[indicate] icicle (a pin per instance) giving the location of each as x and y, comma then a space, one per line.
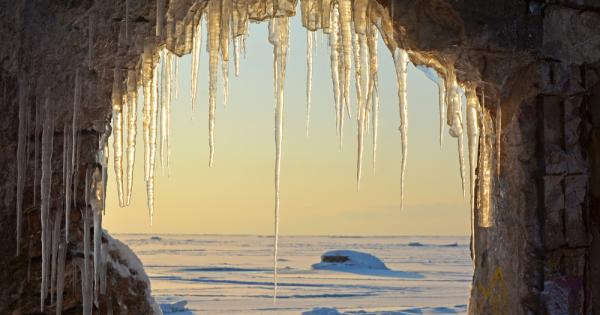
46, 186
60, 276
152, 145
21, 156
401, 61
472, 137
310, 38
74, 156
97, 184
361, 73
36, 153
165, 106
85, 277
334, 44
131, 129
118, 133
442, 108
236, 54
279, 38
372, 95
170, 66
345, 9
147, 73
214, 27
454, 118
485, 172
225, 33
55, 242
196, 61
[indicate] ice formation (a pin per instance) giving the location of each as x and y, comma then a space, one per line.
310, 39
21, 155
279, 38
117, 124
401, 62
45, 188
352, 27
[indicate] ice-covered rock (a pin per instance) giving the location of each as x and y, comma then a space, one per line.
349, 259
178, 306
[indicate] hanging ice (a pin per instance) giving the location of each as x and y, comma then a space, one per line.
373, 93
225, 32
401, 62
152, 145
165, 120
46, 184
196, 61
21, 156
279, 38
214, 26
131, 129
454, 119
117, 100
472, 137
334, 44
310, 38
345, 9
74, 156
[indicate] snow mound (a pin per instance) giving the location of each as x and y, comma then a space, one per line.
174, 307
349, 259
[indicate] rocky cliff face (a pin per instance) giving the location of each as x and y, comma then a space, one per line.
538, 67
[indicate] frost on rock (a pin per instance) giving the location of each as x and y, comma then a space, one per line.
279, 38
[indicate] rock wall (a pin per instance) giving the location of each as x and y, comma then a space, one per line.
537, 64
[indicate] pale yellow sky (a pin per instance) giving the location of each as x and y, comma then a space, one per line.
318, 187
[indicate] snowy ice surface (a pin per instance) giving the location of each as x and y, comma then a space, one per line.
233, 274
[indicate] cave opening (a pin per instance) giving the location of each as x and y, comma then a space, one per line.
320, 201
529, 68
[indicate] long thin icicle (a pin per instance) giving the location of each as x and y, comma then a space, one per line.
152, 145
310, 38
334, 44
197, 46
345, 9
454, 119
279, 38
131, 129
46, 186
214, 28
74, 156
373, 94
225, 33
472, 137
401, 62
21, 156
117, 100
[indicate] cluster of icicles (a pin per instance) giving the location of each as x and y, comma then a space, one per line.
353, 27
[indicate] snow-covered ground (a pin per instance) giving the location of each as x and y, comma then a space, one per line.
232, 274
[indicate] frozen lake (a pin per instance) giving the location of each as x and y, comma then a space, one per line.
219, 274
